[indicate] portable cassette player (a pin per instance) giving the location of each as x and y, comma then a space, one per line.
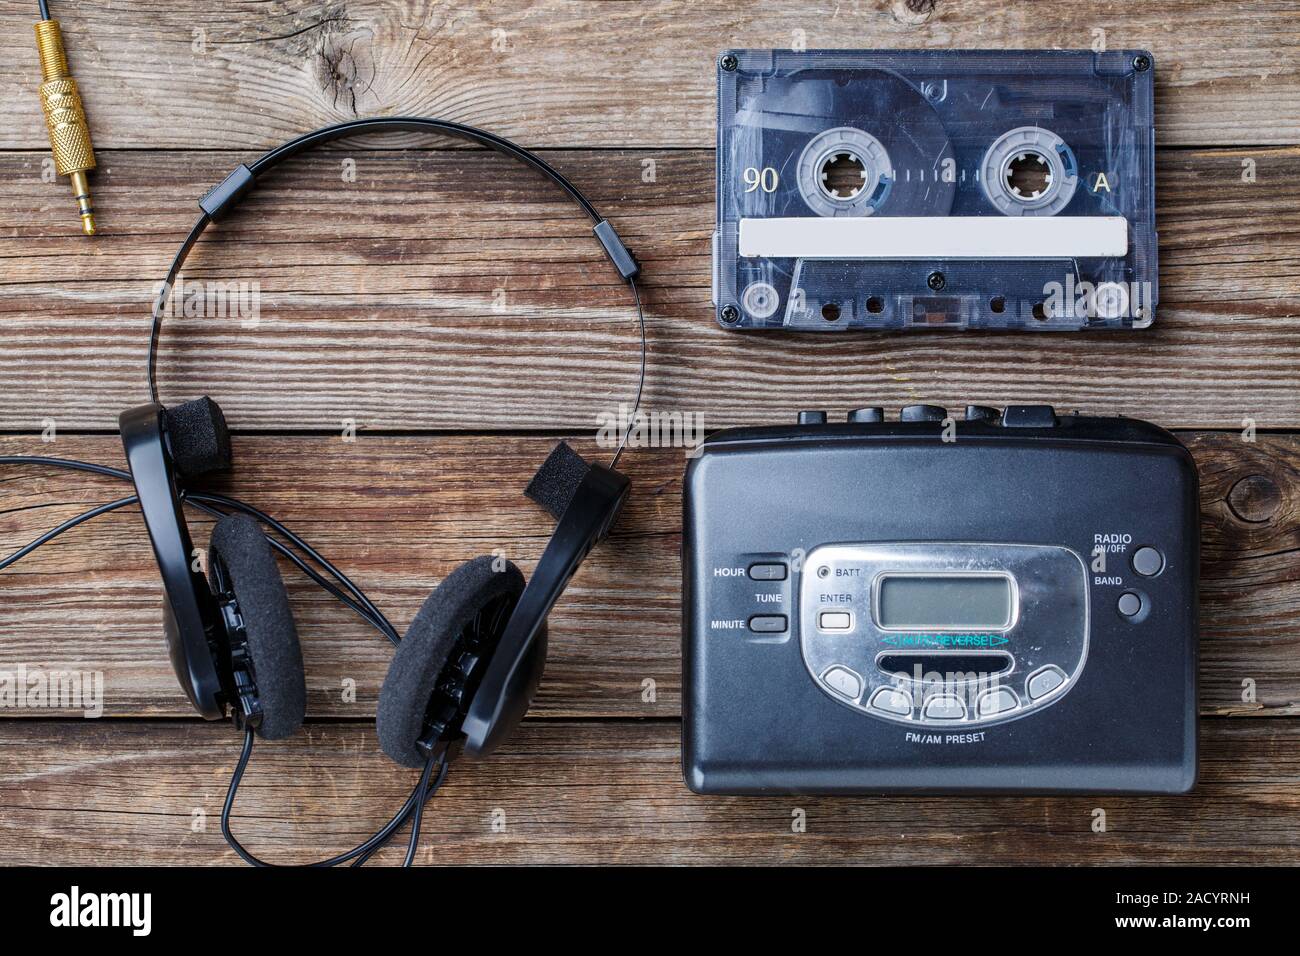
1006, 602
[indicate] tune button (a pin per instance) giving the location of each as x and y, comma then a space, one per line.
812, 418
873, 414
768, 624
981, 413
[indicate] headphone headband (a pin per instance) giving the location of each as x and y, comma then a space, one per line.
223, 197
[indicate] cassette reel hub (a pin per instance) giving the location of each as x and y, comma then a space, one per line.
844, 149
1029, 146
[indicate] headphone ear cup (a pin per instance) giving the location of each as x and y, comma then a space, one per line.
198, 437
454, 606
258, 590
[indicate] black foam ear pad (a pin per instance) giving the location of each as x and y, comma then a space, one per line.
258, 589
198, 436
557, 480
413, 674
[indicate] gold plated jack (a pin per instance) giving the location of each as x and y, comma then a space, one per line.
65, 119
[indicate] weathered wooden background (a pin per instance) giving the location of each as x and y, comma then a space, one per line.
456, 309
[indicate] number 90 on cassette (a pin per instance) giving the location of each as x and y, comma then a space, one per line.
935, 189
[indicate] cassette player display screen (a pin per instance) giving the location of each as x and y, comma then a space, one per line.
935, 189
929, 602
944, 633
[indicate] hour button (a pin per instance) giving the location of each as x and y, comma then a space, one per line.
767, 572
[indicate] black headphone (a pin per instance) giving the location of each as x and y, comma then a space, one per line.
468, 666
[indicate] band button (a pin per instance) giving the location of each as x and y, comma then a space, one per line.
1129, 604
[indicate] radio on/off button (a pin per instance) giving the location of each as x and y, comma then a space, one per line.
1148, 562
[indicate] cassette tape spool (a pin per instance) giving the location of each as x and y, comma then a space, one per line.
935, 189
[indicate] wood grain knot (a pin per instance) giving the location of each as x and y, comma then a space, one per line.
1255, 498
914, 11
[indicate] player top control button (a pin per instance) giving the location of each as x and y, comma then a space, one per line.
922, 413
812, 418
867, 415
981, 413
1029, 416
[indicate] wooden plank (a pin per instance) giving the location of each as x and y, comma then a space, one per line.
117, 793
399, 513
446, 292
562, 73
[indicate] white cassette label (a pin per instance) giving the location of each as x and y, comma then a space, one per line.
928, 237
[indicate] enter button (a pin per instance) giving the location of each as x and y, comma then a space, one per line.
835, 620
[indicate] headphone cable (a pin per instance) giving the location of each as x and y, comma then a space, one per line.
412, 810
212, 504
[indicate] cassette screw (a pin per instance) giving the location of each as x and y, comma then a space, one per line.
729, 63
730, 314
936, 281
1141, 63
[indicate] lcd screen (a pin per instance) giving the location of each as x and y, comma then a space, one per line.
944, 602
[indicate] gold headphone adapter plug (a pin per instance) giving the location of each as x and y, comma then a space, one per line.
65, 119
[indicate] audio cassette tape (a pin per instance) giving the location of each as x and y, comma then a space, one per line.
935, 189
